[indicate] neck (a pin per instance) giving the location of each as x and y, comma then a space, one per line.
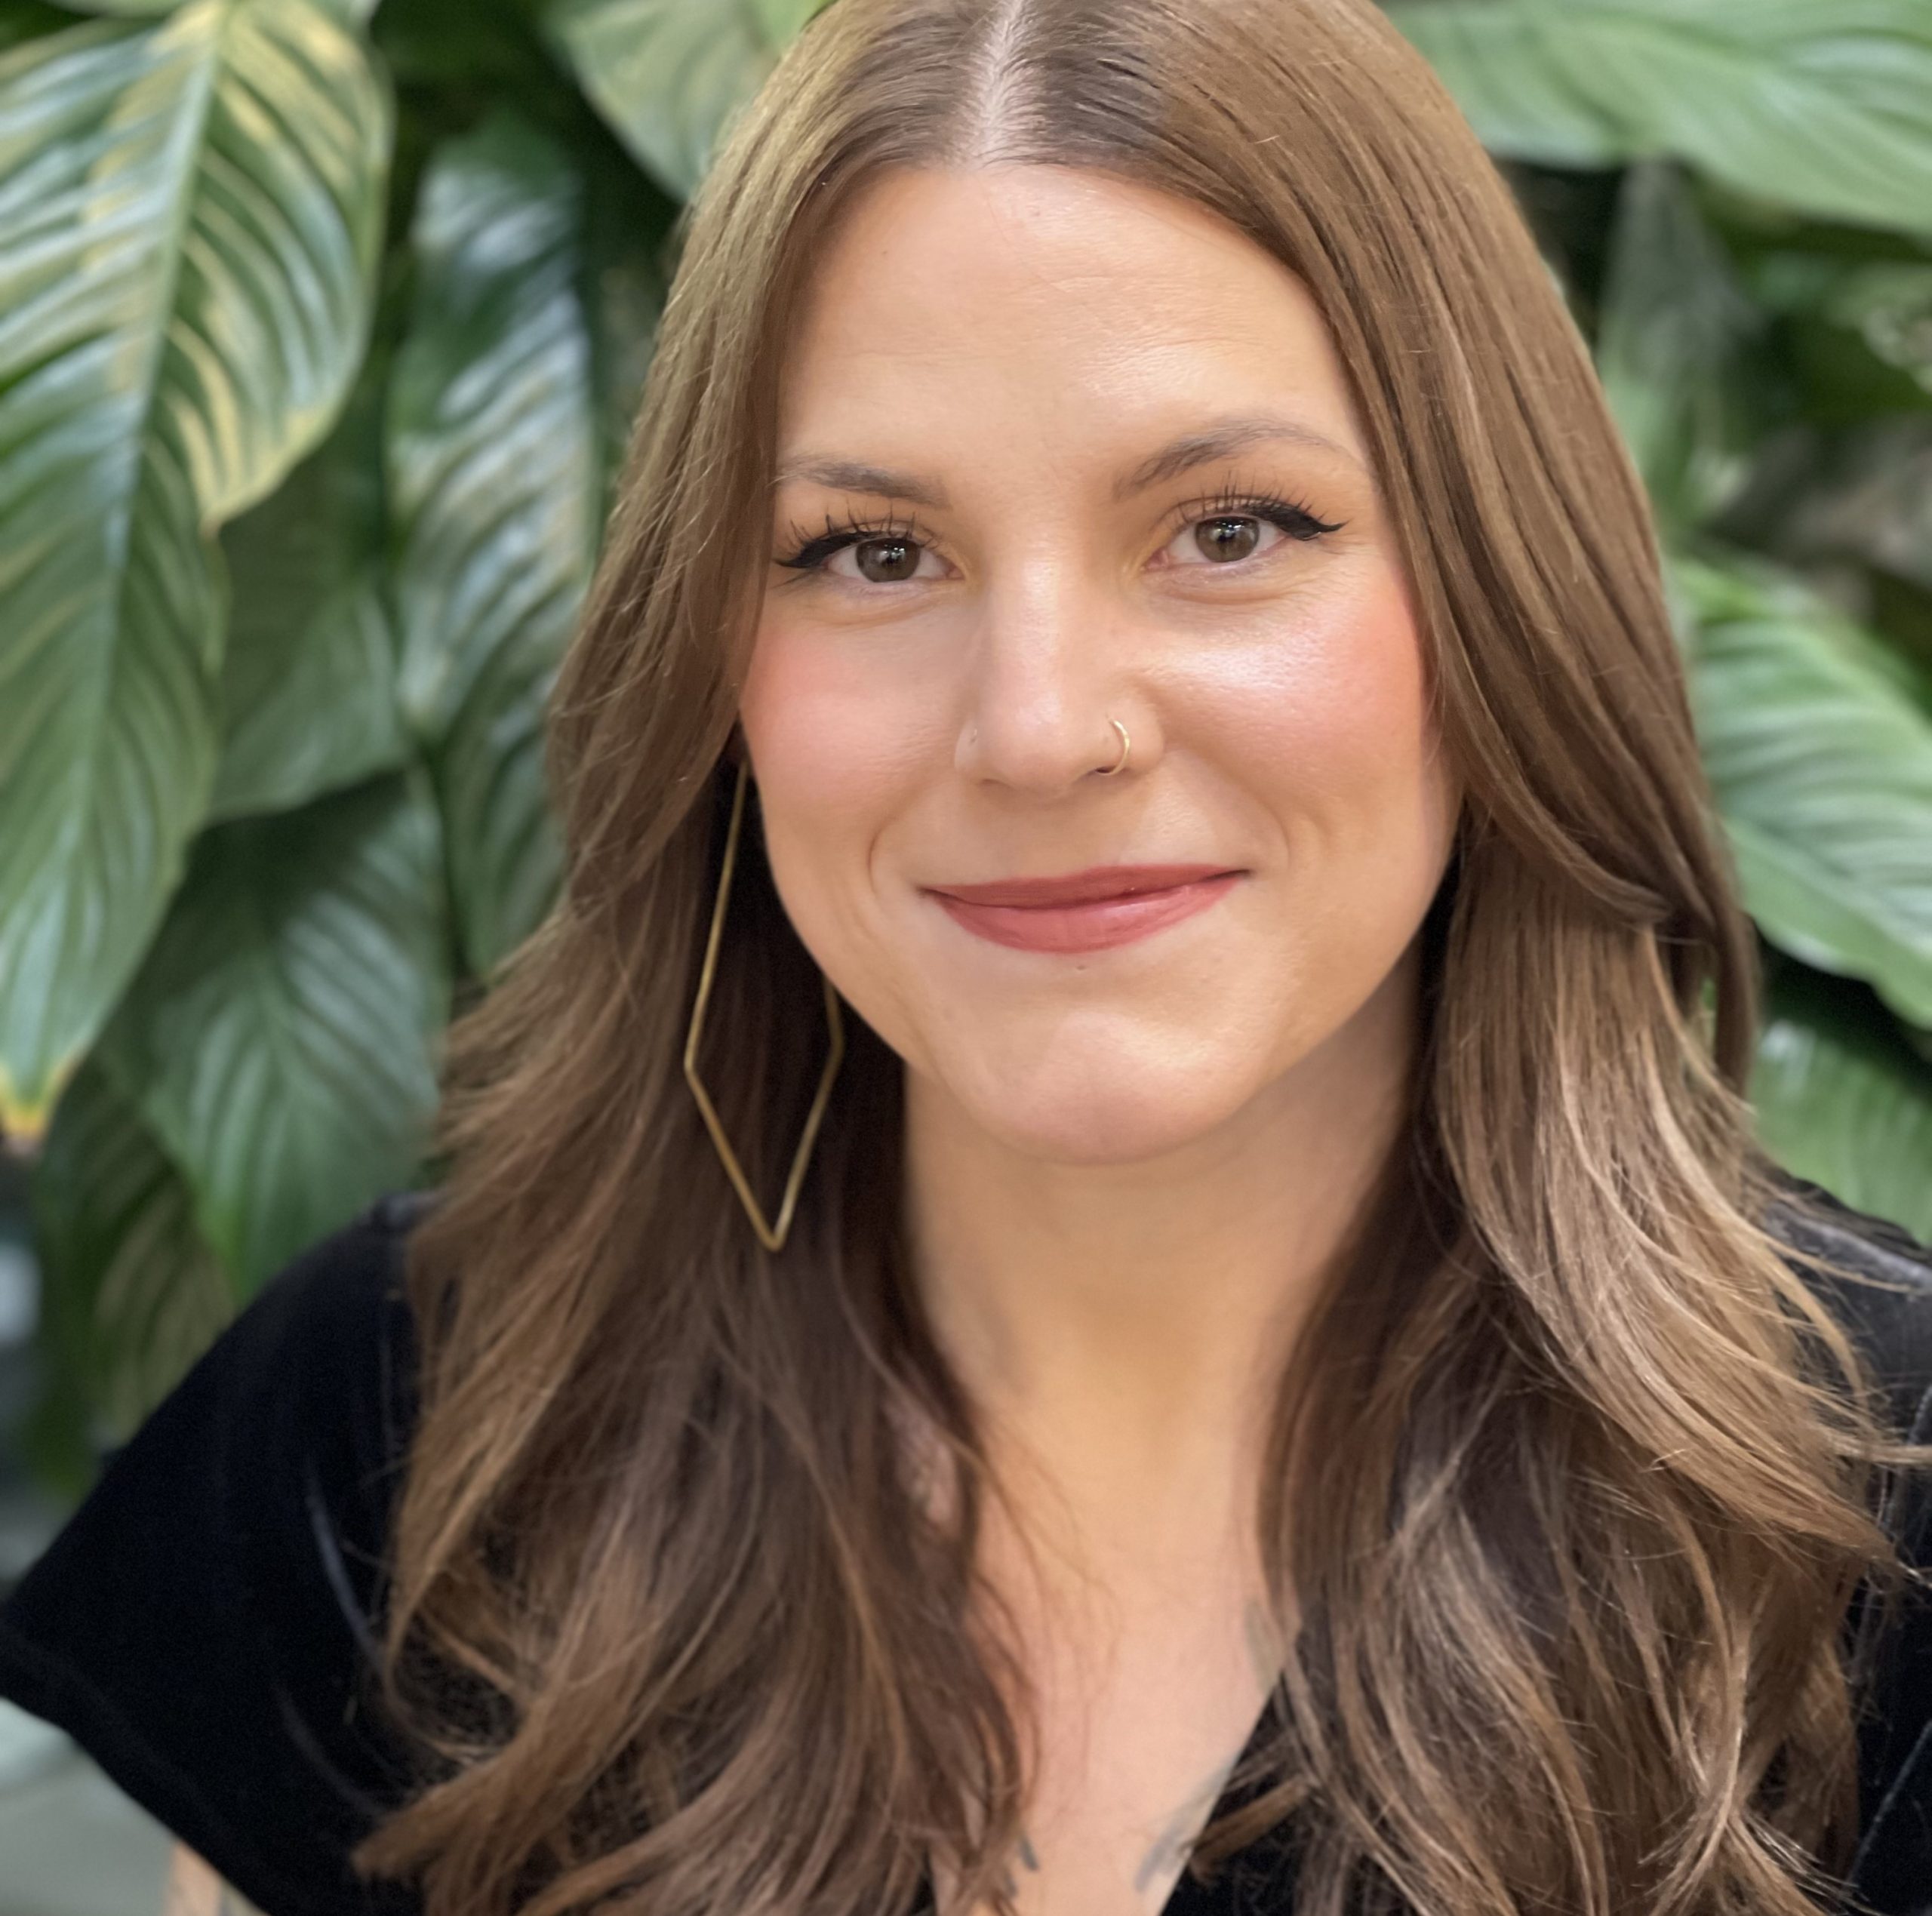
1120, 1325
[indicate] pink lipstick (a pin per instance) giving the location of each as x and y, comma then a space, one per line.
1086, 911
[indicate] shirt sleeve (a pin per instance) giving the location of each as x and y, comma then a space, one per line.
1892, 1870
201, 1625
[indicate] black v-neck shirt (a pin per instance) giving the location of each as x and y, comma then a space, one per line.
200, 1625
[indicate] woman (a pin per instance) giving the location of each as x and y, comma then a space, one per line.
1127, 1148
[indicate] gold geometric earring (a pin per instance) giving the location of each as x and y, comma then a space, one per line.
772, 1236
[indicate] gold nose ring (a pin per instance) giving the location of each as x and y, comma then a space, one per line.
1126, 746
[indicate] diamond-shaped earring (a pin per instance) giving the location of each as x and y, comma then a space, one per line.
772, 1236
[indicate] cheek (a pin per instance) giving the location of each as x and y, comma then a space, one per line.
829, 728
832, 751
1335, 724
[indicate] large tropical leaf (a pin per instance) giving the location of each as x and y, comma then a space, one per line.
308, 689
130, 9
281, 1038
1821, 763
497, 482
778, 19
189, 212
1842, 1100
628, 258
347, 10
1825, 105
27, 19
1677, 348
668, 74
133, 1295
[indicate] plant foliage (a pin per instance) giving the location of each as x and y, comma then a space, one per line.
322, 326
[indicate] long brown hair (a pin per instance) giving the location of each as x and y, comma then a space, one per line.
1593, 1491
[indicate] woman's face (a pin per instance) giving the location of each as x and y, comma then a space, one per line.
1060, 450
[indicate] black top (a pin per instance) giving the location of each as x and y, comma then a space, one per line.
200, 1625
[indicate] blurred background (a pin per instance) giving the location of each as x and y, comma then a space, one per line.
322, 322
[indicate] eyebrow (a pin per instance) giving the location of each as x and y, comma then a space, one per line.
1220, 441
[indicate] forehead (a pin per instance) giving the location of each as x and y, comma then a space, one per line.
1064, 298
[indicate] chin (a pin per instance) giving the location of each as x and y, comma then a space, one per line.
1114, 1113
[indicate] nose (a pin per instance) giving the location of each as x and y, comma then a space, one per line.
1051, 674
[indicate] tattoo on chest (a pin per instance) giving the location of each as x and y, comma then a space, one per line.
1166, 1855
1160, 1868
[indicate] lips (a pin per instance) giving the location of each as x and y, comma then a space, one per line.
1097, 881
1086, 911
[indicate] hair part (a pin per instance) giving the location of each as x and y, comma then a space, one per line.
673, 1621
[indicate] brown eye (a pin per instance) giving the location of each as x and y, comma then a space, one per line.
1229, 538
886, 562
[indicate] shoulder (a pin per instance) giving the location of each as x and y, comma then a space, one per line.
1886, 1305
320, 1366
202, 1624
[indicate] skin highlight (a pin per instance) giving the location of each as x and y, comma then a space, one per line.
1127, 1170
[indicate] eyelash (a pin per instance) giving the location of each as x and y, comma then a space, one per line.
809, 551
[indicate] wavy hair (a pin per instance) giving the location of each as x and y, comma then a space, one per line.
1574, 1470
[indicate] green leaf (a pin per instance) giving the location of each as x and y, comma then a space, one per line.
1824, 105
126, 9
495, 478
27, 19
326, 718
1677, 349
309, 681
1841, 1099
780, 20
188, 224
133, 1295
281, 1038
625, 277
666, 74
1821, 764
352, 10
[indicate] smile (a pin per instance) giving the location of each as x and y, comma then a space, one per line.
1084, 911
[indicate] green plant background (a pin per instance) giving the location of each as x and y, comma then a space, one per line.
321, 322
